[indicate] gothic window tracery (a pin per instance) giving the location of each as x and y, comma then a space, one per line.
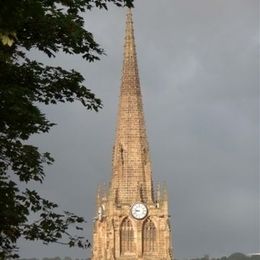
149, 236
127, 237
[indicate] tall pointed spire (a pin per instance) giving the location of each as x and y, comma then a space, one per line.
130, 224
130, 68
131, 163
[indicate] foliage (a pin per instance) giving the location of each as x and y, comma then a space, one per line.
49, 26
234, 256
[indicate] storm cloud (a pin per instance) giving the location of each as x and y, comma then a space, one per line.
199, 70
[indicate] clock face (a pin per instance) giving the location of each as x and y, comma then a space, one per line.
139, 210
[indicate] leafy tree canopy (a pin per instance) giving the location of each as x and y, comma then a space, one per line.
234, 256
49, 26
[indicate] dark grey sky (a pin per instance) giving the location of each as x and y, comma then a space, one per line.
199, 70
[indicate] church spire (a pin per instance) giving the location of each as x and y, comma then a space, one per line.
131, 162
130, 224
130, 69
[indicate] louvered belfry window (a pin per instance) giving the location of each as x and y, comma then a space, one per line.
127, 237
149, 236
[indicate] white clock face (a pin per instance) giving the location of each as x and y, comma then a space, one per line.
139, 211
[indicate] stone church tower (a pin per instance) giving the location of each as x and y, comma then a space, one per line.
132, 222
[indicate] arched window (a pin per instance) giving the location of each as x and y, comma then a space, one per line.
149, 236
127, 243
